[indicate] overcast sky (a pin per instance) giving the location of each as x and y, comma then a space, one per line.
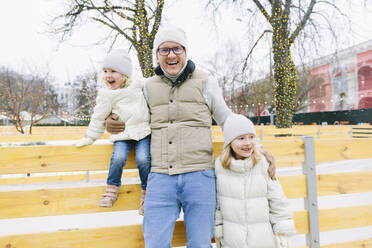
24, 47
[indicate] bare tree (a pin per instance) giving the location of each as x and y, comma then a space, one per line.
137, 21
26, 100
87, 93
287, 21
227, 68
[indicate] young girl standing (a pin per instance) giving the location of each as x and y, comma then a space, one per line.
125, 98
252, 210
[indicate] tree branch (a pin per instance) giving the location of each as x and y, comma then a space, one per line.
302, 23
263, 10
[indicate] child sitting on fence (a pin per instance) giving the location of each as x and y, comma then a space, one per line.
252, 210
125, 98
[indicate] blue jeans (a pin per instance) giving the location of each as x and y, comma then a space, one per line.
120, 155
195, 193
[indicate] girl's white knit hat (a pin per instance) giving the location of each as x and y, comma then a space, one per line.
170, 33
236, 125
118, 60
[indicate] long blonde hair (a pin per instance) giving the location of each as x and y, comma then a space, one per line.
228, 153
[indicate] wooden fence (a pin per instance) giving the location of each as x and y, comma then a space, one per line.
9, 134
46, 201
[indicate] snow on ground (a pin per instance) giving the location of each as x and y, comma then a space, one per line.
71, 222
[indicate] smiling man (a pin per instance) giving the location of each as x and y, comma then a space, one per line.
182, 101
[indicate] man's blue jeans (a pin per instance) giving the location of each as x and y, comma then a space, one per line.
120, 155
195, 192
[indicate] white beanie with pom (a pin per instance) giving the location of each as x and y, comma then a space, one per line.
118, 60
236, 125
170, 33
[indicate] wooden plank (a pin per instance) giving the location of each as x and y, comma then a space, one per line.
118, 237
40, 159
342, 149
294, 186
62, 178
286, 153
121, 236
328, 184
43, 138
330, 219
353, 244
301, 222
344, 183
343, 218
50, 202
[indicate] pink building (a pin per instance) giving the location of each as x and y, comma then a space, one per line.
342, 81
364, 62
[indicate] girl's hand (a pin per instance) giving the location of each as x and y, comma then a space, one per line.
84, 142
285, 241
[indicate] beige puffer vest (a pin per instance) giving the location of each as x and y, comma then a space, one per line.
181, 139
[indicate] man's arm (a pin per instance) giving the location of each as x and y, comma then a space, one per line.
114, 125
213, 96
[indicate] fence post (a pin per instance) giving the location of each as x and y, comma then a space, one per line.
311, 202
261, 134
318, 133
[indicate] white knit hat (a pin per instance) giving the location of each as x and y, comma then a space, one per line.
170, 33
118, 60
236, 125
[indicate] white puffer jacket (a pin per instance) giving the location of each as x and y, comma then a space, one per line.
131, 107
252, 206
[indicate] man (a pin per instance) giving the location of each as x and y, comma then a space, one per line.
182, 101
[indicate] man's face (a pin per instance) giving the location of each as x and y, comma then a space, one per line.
173, 62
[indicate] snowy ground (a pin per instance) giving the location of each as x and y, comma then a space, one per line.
68, 222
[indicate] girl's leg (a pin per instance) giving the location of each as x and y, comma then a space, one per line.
118, 160
143, 164
143, 160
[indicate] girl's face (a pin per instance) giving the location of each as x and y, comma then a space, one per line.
113, 78
243, 146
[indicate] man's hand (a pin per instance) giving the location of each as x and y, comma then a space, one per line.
271, 160
113, 125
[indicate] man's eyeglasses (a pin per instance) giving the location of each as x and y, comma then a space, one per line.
165, 50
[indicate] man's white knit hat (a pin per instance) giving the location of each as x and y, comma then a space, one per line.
236, 125
170, 33
118, 60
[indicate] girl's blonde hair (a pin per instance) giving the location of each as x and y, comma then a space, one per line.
228, 153
125, 81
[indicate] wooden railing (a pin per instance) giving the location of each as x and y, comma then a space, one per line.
9, 133
23, 202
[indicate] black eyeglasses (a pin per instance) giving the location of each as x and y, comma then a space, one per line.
166, 50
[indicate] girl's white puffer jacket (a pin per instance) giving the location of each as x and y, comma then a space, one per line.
253, 207
131, 107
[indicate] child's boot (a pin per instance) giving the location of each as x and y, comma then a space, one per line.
141, 209
110, 196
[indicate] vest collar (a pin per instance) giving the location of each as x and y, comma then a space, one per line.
241, 165
183, 76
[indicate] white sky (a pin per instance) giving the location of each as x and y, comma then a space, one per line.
24, 47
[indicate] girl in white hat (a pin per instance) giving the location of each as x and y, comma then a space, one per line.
252, 210
125, 98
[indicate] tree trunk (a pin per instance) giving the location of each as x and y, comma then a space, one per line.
144, 55
284, 74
